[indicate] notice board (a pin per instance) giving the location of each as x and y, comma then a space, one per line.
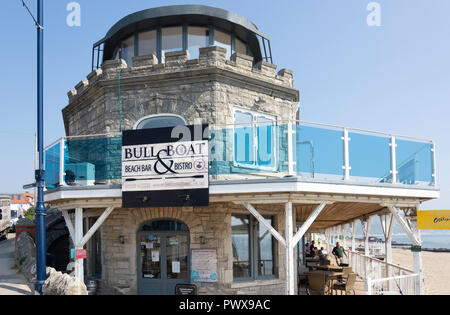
204, 265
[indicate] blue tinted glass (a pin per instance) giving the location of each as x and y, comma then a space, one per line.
414, 162
370, 157
91, 160
52, 163
319, 152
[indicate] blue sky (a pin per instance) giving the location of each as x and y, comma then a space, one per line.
393, 78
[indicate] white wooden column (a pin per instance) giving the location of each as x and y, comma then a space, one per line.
79, 268
417, 256
76, 234
387, 223
353, 231
366, 230
290, 276
409, 225
344, 235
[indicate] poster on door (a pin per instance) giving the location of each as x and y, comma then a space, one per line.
204, 265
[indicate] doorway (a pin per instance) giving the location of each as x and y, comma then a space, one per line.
163, 257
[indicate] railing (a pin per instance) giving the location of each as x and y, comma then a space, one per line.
383, 278
400, 285
264, 150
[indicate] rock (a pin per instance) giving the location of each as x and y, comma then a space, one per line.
58, 283
25, 254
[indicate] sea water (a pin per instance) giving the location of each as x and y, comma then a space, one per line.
430, 240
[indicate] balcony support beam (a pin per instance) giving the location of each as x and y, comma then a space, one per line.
263, 222
305, 226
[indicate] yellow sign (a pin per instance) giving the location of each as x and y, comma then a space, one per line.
433, 220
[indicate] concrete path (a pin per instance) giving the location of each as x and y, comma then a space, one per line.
11, 283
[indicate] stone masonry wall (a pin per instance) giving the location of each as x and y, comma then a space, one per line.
213, 223
207, 88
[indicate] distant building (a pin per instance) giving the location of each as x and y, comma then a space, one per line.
20, 203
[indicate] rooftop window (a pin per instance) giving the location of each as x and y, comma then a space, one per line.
162, 40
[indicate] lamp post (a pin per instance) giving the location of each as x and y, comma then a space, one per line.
41, 212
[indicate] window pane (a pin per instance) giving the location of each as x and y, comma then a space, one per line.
147, 43
243, 138
172, 39
198, 37
266, 266
161, 122
128, 50
240, 236
241, 47
222, 39
150, 253
177, 248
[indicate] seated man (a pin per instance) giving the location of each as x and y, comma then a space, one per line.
338, 253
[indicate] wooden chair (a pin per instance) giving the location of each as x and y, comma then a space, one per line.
317, 284
302, 282
346, 271
347, 286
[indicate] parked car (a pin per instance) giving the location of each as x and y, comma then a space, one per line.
14, 219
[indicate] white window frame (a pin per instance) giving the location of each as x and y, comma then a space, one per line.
255, 116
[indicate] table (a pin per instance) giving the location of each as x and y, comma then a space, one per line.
330, 268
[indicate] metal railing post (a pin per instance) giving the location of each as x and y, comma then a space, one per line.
394, 171
433, 150
346, 166
61, 162
291, 163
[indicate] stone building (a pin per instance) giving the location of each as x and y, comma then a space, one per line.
184, 65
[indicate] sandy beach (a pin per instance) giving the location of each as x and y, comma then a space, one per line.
436, 269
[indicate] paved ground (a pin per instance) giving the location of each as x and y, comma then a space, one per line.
11, 283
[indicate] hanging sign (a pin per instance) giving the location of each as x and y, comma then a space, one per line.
433, 220
165, 167
81, 254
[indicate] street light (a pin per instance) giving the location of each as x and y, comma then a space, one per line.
40, 211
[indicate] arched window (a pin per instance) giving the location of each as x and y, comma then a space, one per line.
160, 121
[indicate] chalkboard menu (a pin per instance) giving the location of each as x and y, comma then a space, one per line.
186, 289
204, 265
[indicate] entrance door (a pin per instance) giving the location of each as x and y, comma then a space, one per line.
163, 261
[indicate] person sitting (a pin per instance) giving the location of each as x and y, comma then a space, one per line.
322, 257
307, 250
338, 253
311, 248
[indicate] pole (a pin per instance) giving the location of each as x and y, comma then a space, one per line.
41, 212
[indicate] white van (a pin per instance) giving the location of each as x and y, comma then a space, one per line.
5, 216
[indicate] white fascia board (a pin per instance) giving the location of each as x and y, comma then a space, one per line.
83, 193
265, 187
340, 189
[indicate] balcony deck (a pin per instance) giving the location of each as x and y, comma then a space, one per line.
356, 172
